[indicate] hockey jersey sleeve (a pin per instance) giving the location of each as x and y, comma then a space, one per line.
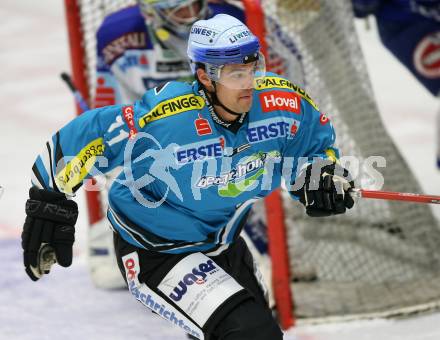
314, 139
91, 144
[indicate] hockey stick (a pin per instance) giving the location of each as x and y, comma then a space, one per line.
78, 96
394, 196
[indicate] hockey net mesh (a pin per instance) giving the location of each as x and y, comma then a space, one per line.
380, 258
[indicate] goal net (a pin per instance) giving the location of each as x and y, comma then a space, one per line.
381, 258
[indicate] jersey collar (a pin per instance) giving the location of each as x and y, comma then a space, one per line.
234, 126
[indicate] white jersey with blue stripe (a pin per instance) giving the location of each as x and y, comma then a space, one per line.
188, 179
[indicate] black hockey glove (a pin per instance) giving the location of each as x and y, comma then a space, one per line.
323, 189
48, 232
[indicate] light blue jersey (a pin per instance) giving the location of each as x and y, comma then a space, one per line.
189, 179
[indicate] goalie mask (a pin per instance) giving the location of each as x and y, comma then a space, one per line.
222, 41
173, 16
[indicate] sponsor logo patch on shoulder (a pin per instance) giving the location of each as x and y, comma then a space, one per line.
172, 107
276, 82
280, 100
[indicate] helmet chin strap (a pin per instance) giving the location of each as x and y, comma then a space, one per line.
216, 101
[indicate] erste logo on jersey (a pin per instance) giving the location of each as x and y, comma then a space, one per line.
272, 128
212, 148
172, 107
280, 100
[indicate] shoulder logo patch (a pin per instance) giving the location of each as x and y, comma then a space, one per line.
275, 82
172, 107
280, 100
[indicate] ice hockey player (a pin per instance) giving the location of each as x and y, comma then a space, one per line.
195, 158
410, 30
138, 48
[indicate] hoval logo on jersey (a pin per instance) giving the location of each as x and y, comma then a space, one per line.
276, 82
427, 56
280, 100
197, 275
202, 126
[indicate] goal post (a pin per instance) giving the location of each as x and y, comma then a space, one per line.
276, 234
78, 60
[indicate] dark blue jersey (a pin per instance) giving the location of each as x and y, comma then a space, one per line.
410, 29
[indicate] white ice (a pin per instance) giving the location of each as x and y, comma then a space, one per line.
35, 103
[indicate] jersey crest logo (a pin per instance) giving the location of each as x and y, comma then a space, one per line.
172, 107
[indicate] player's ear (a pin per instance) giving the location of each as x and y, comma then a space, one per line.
203, 78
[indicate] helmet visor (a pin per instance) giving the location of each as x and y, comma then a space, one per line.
240, 76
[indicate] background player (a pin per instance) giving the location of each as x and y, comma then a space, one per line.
410, 30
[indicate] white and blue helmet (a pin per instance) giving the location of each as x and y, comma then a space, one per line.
223, 40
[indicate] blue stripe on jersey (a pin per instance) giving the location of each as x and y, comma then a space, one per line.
42, 170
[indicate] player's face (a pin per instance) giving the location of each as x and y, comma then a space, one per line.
235, 87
